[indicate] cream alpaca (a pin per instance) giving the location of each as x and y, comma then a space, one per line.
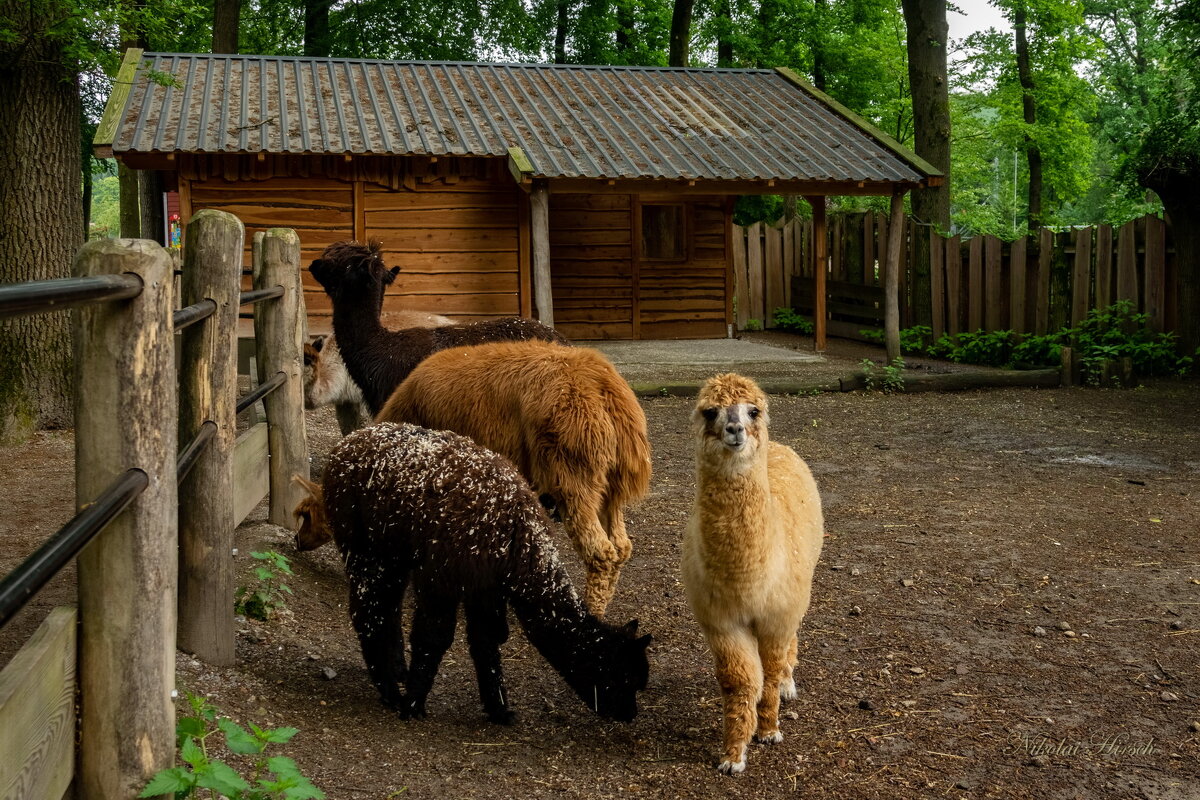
748, 558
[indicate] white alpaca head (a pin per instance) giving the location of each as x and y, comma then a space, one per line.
730, 420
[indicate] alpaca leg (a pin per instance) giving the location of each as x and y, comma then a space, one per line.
597, 552
487, 629
349, 416
613, 521
740, 677
434, 618
375, 600
787, 686
775, 657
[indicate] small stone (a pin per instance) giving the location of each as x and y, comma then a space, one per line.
1070, 634
791, 715
855, 611
1039, 761
837, 567
313, 657
907, 583
965, 785
917, 670
1039, 631
866, 705
908, 703
328, 673
961, 669
1168, 697
1177, 625
856, 572
1194, 727
1063, 626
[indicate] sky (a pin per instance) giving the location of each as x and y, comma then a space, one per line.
978, 15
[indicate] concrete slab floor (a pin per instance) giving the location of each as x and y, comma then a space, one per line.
698, 352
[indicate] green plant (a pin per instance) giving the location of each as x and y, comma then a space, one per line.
271, 777
914, 341
752, 325
260, 601
886, 379
786, 319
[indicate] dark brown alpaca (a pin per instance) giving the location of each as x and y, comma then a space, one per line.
407, 505
355, 278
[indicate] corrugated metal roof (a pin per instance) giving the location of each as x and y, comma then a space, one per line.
571, 121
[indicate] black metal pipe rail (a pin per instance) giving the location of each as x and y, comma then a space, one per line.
190, 315
191, 453
36, 571
40, 297
259, 295
264, 389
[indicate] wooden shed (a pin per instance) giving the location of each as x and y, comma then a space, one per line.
596, 198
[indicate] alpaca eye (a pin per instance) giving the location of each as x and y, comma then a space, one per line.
754, 413
710, 414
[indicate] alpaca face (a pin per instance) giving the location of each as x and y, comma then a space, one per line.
314, 529
347, 266
618, 671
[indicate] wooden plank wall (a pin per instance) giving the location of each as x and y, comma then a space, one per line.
457, 247
686, 299
591, 265
978, 283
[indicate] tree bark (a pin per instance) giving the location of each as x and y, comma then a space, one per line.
560, 33
625, 31
150, 206
724, 34
1033, 153
681, 33
821, 9
316, 28
226, 20
41, 217
928, 33
1177, 190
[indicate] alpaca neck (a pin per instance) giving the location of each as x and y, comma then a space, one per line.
731, 504
356, 321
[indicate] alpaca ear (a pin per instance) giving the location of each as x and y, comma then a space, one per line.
391, 275
318, 343
630, 628
645, 641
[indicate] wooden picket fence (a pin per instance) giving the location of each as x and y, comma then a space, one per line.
1035, 284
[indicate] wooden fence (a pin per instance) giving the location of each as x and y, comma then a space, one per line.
1035, 284
156, 571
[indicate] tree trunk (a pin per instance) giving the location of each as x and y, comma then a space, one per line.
560, 33
724, 34
130, 202
41, 217
928, 34
681, 33
150, 200
821, 9
316, 28
1177, 190
625, 30
1033, 153
226, 19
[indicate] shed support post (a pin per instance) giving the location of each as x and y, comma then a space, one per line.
539, 224
891, 278
126, 418
279, 333
212, 269
820, 257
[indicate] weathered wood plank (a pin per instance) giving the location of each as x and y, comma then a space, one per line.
1155, 271
1127, 287
773, 267
1104, 266
1018, 318
993, 300
937, 282
754, 271
1041, 321
37, 712
975, 284
541, 237
741, 281
954, 285
251, 482
1081, 276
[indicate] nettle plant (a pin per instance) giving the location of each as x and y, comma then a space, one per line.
271, 777
260, 601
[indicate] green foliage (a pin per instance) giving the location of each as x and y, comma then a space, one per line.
886, 379
752, 325
271, 777
260, 601
914, 341
786, 319
106, 207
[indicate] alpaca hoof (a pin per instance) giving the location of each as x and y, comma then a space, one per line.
732, 767
502, 717
775, 737
410, 709
787, 690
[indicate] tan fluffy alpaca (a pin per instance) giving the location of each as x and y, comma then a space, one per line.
748, 557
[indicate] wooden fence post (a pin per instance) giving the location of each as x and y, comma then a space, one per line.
937, 283
741, 289
819, 251
539, 225
1041, 322
125, 418
891, 283
773, 266
975, 284
1081, 276
1127, 288
954, 285
208, 393
1104, 263
993, 297
1018, 319
1155, 272
279, 331
754, 269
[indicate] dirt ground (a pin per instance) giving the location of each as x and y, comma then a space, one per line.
958, 525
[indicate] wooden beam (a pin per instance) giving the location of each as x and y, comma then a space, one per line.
250, 480
114, 109
524, 256
729, 264
891, 279
635, 300
539, 226
732, 187
212, 269
820, 246
520, 167
360, 211
126, 417
37, 712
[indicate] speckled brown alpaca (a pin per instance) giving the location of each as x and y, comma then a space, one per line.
568, 421
748, 558
355, 278
434, 509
